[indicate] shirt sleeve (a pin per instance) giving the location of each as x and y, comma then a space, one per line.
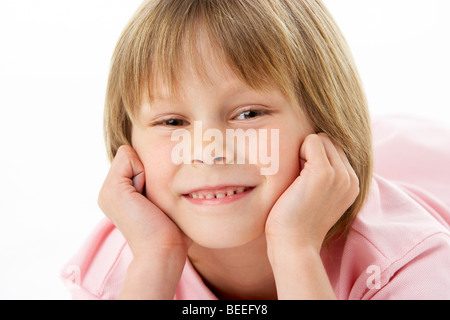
422, 274
97, 270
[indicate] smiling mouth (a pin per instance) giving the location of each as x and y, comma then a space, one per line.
218, 193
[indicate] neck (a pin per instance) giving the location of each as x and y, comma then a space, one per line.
236, 273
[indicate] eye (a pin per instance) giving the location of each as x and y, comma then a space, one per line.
249, 114
172, 123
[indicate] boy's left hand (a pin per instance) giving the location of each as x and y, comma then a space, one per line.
326, 187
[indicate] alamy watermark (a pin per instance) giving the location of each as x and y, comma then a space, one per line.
374, 280
73, 278
237, 143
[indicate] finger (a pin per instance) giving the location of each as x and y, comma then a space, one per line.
313, 151
338, 158
127, 166
335, 153
331, 150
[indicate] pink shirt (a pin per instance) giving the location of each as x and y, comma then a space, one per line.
397, 248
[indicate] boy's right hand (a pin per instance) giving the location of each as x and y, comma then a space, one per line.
146, 228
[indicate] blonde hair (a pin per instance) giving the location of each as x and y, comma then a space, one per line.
294, 44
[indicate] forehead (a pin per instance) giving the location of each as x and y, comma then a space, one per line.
205, 68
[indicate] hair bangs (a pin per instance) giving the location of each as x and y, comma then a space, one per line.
170, 36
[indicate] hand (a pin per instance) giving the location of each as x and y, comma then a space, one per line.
326, 187
159, 247
145, 227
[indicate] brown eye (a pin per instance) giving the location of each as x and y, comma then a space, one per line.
175, 122
249, 114
172, 123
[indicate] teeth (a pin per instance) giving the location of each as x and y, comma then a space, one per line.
240, 189
219, 194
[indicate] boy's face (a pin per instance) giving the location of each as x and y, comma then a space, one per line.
225, 203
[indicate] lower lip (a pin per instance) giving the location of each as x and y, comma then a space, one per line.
220, 201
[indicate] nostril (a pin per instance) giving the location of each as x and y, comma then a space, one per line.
194, 161
219, 159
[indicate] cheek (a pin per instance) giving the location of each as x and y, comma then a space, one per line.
159, 169
289, 164
289, 154
289, 170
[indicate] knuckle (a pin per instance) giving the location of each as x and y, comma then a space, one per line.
326, 138
308, 139
313, 138
323, 135
101, 199
354, 188
105, 197
122, 153
126, 150
123, 148
354, 180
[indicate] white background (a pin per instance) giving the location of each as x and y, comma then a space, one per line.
54, 59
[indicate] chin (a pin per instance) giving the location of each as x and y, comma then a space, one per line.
224, 237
